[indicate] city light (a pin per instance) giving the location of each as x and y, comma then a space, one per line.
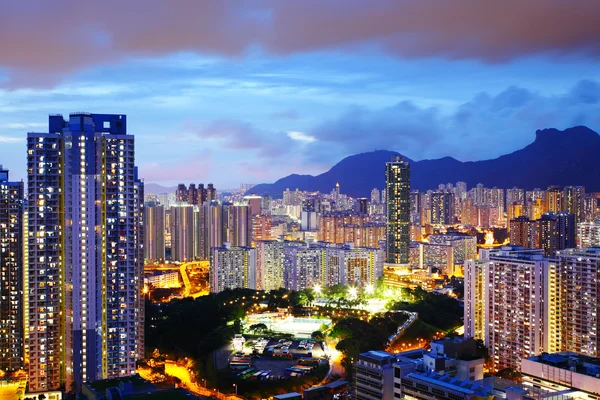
369, 289
317, 289
352, 292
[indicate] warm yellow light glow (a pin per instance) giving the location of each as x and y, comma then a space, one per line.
317, 289
369, 289
352, 292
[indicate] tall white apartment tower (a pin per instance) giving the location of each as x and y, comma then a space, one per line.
506, 303
85, 261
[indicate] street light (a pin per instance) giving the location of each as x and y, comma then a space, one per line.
235, 386
352, 292
369, 289
317, 289
204, 382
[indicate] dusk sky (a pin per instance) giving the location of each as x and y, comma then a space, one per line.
250, 91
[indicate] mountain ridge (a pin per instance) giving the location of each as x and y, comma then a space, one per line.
555, 157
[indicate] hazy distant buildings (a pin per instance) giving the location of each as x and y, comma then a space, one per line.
398, 210
12, 337
85, 213
195, 195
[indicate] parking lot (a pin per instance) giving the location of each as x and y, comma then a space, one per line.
278, 355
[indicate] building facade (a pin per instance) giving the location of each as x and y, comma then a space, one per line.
232, 267
154, 249
12, 337
397, 174
85, 216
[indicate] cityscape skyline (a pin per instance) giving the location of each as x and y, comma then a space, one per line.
262, 95
264, 199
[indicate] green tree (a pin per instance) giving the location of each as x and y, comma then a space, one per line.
317, 335
258, 328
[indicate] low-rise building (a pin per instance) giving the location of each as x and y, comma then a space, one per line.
374, 376
562, 370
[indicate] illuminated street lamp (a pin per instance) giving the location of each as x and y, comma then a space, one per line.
352, 292
317, 289
369, 289
235, 386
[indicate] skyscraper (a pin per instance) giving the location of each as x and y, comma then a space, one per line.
85, 213
11, 280
397, 174
442, 205
574, 295
154, 248
574, 197
505, 296
182, 233
232, 268
588, 234
554, 199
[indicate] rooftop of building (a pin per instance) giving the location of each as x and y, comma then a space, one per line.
568, 360
377, 356
292, 395
587, 251
517, 252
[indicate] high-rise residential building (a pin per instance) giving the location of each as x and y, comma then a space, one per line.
398, 210
588, 234
255, 204
554, 199
361, 205
567, 227
349, 265
302, 266
211, 193
573, 301
232, 268
523, 232
85, 215
154, 245
509, 285
375, 196
262, 228
442, 208
269, 265
182, 233
515, 196
574, 197
12, 337
548, 234
475, 296
464, 247
181, 194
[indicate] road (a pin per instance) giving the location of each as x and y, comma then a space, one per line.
185, 377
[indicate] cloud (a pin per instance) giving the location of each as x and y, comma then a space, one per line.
193, 168
286, 114
301, 137
239, 135
484, 127
66, 36
7, 139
